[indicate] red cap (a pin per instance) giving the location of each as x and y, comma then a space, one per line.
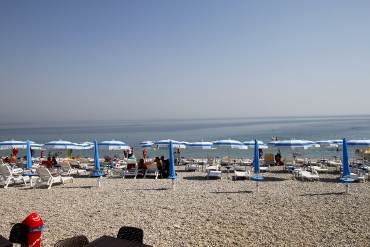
33, 220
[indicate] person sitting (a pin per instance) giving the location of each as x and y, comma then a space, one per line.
48, 163
158, 162
260, 152
54, 161
165, 168
13, 159
6, 160
141, 165
278, 160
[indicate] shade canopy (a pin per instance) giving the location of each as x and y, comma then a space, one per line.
293, 144
200, 145
12, 144
251, 144
229, 144
29, 156
346, 169
166, 143
326, 143
60, 145
359, 143
96, 156
256, 160
113, 145
172, 170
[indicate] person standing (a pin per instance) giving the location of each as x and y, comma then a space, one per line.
145, 152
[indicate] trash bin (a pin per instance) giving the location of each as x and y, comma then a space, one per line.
36, 226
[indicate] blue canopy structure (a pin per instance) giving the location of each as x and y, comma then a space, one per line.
172, 171
29, 157
96, 156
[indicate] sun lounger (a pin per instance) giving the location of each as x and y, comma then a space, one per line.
7, 177
46, 179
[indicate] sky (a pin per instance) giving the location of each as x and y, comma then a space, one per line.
146, 59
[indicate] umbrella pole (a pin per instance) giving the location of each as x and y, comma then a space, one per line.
173, 183
347, 188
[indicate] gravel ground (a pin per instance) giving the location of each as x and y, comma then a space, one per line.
200, 212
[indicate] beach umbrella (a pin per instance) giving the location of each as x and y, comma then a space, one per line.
166, 143
37, 146
229, 144
96, 157
359, 144
346, 169
200, 145
336, 141
59, 145
19, 145
146, 142
147, 145
256, 163
326, 144
29, 157
85, 146
113, 145
251, 144
172, 171
12, 144
293, 144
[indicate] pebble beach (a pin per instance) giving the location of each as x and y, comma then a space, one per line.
200, 212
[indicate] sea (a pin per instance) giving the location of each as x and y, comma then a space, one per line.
133, 132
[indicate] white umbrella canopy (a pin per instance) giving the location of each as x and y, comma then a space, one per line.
251, 144
293, 144
85, 145
147, 145
229, 144
360, 145
19, 144
37, 146
113, 145
336, 141
59, 145
326, 144
146, 142
200, 145
166, 143
13, 144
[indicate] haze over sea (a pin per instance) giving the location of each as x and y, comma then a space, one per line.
132, 132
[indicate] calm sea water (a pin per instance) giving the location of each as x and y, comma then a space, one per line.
132, 132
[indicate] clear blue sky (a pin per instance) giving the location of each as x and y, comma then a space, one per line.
110, 59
